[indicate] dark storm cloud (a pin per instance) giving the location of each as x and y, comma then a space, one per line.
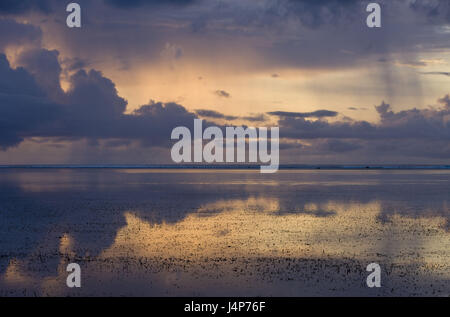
152, 124
24, 107
17, 81
47, 6
222, 93
43, 64
427, 124
333, 34
340, 146
403, 136
138, 3
22, 6
445, 101
436, 11
315, 114
143, 35
91, 109
256, 118
214, 114
218, 115
304, 129
12, 32
313, 13
75, 63
437, 73
95, 111
287, 33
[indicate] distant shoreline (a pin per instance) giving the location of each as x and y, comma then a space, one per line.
232, 167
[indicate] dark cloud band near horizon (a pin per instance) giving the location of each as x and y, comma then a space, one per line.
92, 109
314, 114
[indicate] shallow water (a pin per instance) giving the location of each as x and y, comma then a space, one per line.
224, 232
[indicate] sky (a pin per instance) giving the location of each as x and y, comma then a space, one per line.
112, 91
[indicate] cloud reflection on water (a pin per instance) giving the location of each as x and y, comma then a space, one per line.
178, 231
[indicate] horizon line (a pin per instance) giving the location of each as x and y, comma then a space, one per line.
230, 166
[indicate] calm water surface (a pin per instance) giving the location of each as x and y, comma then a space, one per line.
206, 232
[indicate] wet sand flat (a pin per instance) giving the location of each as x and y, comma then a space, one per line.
225, 233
